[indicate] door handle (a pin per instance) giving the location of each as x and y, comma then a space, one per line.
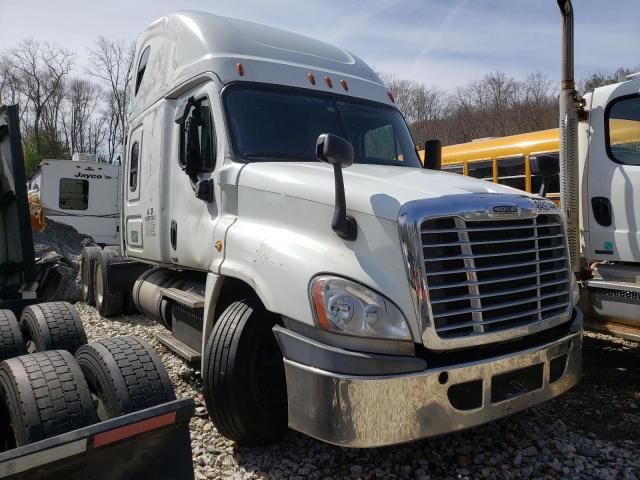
601, 207
174, 234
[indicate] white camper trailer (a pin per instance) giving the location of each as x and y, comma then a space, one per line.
81, 194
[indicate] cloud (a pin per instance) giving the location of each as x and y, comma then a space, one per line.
432, 41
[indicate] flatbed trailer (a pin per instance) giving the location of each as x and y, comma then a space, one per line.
152, 443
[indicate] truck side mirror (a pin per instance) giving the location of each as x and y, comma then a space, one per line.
338, 152
545, 166
432, 154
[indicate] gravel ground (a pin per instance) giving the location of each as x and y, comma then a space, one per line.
592, 431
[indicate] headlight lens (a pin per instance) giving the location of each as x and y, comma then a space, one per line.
347, 307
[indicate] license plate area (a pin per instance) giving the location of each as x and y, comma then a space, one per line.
516, 382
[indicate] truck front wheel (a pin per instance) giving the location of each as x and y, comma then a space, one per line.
244, 382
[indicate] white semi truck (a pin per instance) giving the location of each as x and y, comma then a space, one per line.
273, 199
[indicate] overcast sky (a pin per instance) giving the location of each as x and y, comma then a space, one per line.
436, 42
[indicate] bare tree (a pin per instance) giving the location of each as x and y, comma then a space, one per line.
83, 98
111, 62
402, 91
39, 70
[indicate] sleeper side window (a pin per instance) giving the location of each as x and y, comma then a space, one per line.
198, 145
133, 166
623, 130
74, 194
142, 66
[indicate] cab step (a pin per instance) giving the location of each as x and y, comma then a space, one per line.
178, 347
189, 299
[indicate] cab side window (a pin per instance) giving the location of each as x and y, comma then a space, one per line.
198, 144
623, 130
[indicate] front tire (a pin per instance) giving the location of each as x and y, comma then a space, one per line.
244, 382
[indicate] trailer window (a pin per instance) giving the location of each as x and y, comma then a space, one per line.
74, 194
482, 169
623, 130
200, 116
133, 166
511, 172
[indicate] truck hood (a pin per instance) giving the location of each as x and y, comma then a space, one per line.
370, 189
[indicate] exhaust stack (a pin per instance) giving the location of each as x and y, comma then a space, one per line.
569, 175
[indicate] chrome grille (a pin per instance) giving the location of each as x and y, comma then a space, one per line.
488, 275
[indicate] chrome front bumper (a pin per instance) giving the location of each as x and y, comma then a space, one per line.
370, 411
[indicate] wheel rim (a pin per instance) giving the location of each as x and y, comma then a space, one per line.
99, 285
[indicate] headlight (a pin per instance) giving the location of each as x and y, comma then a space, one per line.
343, 306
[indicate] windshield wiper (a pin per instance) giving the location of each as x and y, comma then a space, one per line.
287, 155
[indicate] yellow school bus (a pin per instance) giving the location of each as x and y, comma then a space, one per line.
505, 160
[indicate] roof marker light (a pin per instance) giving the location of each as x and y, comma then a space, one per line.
344, 85
240, 69
390, 95
328, 82
311, 78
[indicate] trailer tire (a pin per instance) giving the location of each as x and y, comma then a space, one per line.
125, 375
42, 395
244, 382
52, 326
108, 303
11, 341
87, 266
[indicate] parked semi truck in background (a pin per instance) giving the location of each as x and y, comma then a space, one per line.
609, 159
276, 218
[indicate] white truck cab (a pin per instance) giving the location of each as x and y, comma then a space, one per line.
326, 281
609, 150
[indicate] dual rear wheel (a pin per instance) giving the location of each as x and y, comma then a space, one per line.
49, 391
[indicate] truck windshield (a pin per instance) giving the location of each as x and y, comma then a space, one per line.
273, 124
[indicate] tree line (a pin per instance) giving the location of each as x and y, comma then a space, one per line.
64, 110
493, 106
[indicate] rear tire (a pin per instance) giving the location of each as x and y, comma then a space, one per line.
125, 375
52, 326
108, 303
42, 395
244, 382
87, 265
11, 341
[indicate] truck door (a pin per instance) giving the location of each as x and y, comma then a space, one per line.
613, 162
193, 208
